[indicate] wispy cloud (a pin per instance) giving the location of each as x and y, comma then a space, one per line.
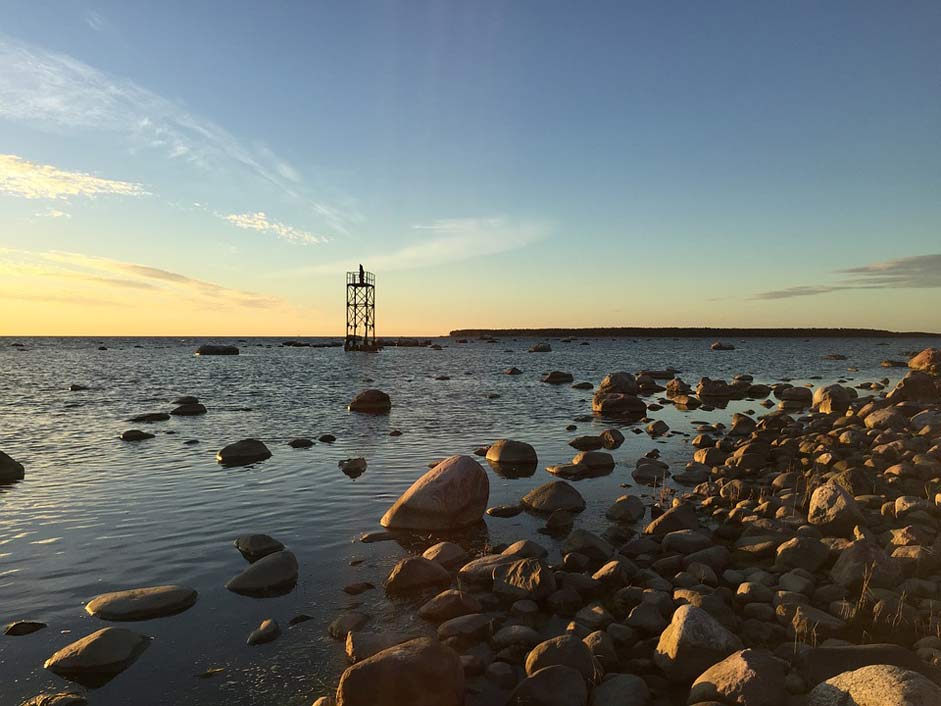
110, 276
19, 177
56, 92
453, 240
919, 271
95, 21
54, 213
260, 222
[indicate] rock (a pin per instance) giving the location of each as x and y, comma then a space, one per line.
274, 574
354, 589
717, 346
10, 470
565, 651
551, 686
513, 371
151, 417
693, 642
916, 386
353, 467
371, 402
865, 562
627, 509
62, 698
97, 658
582, 386
186, 399
347, 623
557, 377
540, 348
326, 438
188, 410
620, 690
594, 460
266, 632
510, 452
817, 664
746, 678
141, 603
618, 405
552, 496
928, 361
612, 439
415, 573
586, 443
804, 622
448, 604
466, 628
300, 443
362, 645
831, 399
834, 511
216, 349
806, 553
448, 554
504, 510
525, 579
419, 672
22, 627
255, 546
618, 383
876, 685
479, 572
243, 453
135, 435
589, 544
681, 517
452, 494
526, 549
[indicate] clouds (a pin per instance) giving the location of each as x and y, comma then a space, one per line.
19, 177
919, 271
452, 240
260, 222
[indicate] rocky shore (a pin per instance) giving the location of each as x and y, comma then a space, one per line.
794, 561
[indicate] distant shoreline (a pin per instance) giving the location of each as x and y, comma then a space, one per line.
688, 332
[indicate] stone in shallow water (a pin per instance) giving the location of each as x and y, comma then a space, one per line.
96, 659
554, 495
243, 452
141, 603
135, 435
216, 349
371, 402
415, 573
10, 470
300, 443
62, 698
266, 632
150, 417
255, 546
275, 574
23, 627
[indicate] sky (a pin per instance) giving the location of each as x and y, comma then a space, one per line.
205, 168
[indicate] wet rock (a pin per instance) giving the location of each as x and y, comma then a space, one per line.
353, 467
274, 574
216, 349
589, 544
268, 631
448, 554
510, 452
186, 399
681, 517
594, 460
243, 453
141, 603
916, 386
300, 443
448, 604
504, 510
513, 371
717, 346
582, 386
326, 438
62, 698
135, 435
692, 643
354, 589
346, 623
746, 678
612, 439
452, 494
466, 628
557, 377
188, 410
479, 572
618, 405
151, 417
255, 546
10, 470
420, 672
565, 651
586, 443
876, 685
22, 627
552, 496
551, 686
416, 573
371, 402
97, 658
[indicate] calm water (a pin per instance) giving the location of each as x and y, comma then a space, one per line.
97, 514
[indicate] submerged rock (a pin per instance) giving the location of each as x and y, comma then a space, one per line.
10, 470
300, 443
452, 494
255, 546
266, 632
274, 574
193, 409
22, 627
135, 435
243, 452
557, 377
151, 417
141, 603
371, 402
97, 658
353, 467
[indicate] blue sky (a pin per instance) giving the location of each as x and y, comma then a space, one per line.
206, 168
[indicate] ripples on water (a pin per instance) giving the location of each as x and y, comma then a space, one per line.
97, 514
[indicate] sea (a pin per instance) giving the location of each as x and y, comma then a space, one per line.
97, 514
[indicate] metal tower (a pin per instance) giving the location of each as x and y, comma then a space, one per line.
360, 311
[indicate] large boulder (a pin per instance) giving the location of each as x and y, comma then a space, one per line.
618, 383
274, 574
371, 402
693, 642
928, 361
746, 678
865, 562
512, 453
831, 398
618, 405
416, 573
243, 452
551, 686
565, 651
420, 672
876, 685
452, 494
834, 511
10, 470
141, 603
97, 658
552, 496
916, 386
